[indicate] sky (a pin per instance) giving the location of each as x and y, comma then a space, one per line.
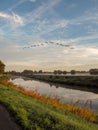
49, 34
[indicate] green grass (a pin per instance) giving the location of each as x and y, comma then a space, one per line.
32, 114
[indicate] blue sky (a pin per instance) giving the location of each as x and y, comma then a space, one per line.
49, 34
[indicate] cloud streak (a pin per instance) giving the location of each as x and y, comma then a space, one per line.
32, 0
41, 10
12, 17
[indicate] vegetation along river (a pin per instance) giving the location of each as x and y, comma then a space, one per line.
69, 94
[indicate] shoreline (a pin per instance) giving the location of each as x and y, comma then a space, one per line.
86, 83
81, 103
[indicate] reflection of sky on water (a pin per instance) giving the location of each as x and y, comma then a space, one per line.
64, 94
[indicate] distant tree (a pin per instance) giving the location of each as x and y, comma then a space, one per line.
93, 71
2, 67
73, 72
64, 72
40, 71
13, 72
35, 72
27, 72
58, 72
55, 72
81, 71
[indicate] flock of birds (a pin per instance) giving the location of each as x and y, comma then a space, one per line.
51, 42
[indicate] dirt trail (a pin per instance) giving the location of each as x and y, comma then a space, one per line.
6, 122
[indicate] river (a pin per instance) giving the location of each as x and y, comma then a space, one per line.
65, 93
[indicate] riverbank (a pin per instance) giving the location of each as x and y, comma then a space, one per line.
33, 113
84, 81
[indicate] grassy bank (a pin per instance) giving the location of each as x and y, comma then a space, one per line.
86, 82
35, 112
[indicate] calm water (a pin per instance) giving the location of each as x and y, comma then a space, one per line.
65, 93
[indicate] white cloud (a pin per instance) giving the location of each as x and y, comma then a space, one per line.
13, 18
82, 52
3, 15
41, 58
32, 0
17, 19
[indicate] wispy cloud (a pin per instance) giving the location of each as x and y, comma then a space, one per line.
89, 15
41, 10
32, 0
12, 17
43, 26
16, 4
19, 3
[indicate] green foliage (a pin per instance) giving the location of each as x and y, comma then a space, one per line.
72, 71
93, 71
2, 67
88, 81
32, 114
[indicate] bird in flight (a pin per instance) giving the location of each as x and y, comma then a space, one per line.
49, 42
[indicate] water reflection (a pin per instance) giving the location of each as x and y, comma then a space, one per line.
66, 93
83, 88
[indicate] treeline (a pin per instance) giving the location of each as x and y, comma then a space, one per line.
92, 71
55, 72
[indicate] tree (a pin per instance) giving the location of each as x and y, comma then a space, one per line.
40, 71
59, 72
72, 71
55, 72
27, 72
2, 67
64, 72
93, 71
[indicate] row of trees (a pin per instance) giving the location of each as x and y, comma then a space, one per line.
73, 72
91, 71
30, 72
63, 72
